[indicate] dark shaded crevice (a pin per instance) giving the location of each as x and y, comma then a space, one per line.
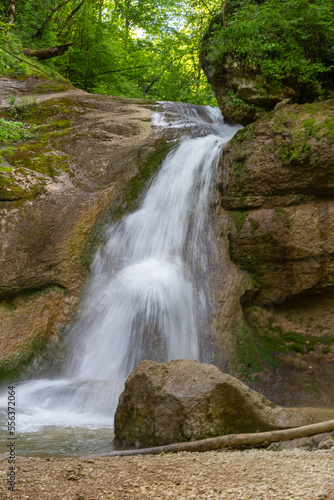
272, 202
12, 199
327, 293
12, 295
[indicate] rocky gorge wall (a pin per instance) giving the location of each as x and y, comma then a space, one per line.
87, 164
274, 224
87, 161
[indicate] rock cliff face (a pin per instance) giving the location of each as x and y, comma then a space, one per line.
244, 59
242, 91
88, 159
274, 221
276, 209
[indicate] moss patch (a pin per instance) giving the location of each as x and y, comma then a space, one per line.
141, 181
247, 261
12, 367
48, 121
292, 138
38, 158
39, 155
254, 225
14, 186
260, 347
239, 218
29, 343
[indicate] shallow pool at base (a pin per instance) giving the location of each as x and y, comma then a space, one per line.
55, 441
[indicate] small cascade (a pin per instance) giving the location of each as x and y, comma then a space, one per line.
148, 295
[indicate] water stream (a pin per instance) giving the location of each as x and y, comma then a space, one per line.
147, 298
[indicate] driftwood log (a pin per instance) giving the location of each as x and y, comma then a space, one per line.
48, 53
231, 440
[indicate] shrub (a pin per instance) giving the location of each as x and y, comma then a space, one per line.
11, 131
289, 41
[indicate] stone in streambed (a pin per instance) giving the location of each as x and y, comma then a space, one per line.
183, 400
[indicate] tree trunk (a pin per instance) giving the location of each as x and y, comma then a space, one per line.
70, 17
48, 53
11, 15
232, 440
11, 12
39, 32
223, 13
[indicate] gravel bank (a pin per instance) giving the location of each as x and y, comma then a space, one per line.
255, 474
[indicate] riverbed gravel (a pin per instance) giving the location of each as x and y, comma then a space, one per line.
238, 475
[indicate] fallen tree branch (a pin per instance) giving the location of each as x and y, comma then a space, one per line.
231, 440
48, 53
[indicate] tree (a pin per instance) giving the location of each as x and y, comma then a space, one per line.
123, 47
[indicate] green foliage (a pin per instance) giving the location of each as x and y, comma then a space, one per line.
21, 108
151, 49
120, 47
232, 100
289, 41
239, 218
261, 348
254, 225
11, 131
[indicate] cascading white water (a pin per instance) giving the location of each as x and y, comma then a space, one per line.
147, 296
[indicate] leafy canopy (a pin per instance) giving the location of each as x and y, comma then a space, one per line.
150, 48
134, 48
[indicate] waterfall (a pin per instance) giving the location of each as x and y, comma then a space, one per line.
148, 294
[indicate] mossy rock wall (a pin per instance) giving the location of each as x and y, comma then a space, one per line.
243, 90
276, 191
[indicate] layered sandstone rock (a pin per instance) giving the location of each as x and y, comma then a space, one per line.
278, 182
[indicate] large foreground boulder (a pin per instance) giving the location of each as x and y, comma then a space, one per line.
183, 400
